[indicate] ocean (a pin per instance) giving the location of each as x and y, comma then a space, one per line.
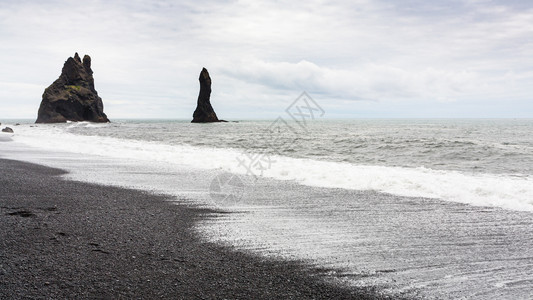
424, 208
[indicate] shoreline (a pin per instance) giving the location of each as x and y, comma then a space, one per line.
65, 239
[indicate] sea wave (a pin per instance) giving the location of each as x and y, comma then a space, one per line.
515, 193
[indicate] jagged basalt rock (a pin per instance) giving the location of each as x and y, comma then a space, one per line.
8, 130
204, 112
72, 96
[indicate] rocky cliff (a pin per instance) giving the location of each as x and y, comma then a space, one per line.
72, 96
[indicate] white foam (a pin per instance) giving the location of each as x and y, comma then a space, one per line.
485, 190
5, 137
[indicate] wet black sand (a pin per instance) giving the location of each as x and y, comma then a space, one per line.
66, 239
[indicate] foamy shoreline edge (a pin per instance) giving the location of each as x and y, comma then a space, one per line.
88, 240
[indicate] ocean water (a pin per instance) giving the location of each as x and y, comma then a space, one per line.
469, 146
423, 208
478, 162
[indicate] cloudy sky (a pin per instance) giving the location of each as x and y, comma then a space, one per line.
357, 59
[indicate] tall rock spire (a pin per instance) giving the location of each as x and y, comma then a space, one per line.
204, 112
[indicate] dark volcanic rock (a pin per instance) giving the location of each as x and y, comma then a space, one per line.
72, 96
7, 129
204, 112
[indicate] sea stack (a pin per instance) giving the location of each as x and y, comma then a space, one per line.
72, 96
204, 112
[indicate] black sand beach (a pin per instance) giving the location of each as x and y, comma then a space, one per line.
66, 239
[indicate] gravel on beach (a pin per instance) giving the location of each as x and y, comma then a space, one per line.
65, 239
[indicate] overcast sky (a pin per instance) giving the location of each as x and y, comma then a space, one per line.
357, 59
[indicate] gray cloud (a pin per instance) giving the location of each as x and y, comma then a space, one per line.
384, 58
